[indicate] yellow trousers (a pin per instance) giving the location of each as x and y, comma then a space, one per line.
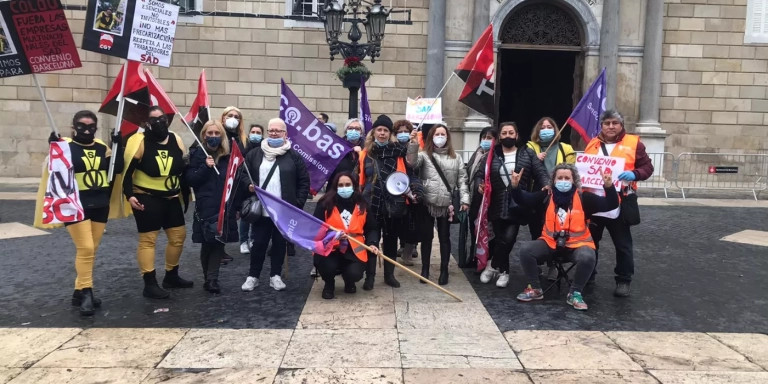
86, 235
145, 254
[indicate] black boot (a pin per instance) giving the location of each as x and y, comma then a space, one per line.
443, 279
370, 272
424, 273
368, 283
212, 286
349, 287
87, 307
77, 299
425, 256
328, 290
173, 280
445, 257
389, 276
151, 289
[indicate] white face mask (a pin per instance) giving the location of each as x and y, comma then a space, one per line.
231, 123
439, 141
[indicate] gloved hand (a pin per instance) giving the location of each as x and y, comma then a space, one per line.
114, 138
627, 176
54, 137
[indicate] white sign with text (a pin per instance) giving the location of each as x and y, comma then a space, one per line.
592, 166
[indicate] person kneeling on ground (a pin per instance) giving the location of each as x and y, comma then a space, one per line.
343, 207
566, 231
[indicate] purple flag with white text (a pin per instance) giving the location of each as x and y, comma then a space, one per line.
365, 109
585, 118
299, 227
321, 149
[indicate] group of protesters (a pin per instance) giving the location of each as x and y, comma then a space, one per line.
533, 183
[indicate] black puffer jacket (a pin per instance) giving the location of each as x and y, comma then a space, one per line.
503, 205
208, 187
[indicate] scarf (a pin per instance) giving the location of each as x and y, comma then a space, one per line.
385, 161
563, 199
551, 160
270, 153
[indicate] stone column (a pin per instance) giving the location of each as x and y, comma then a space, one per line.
435, 48
609, 48
475, 122
650, 86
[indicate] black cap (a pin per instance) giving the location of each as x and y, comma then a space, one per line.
383, 120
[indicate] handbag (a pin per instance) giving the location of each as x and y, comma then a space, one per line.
252, 209
630, 210
455, 194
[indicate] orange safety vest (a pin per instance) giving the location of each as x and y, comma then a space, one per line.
626, 148
575, 224
355, 230
361, 167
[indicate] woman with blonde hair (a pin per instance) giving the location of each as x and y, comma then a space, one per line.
208, 187
232, 120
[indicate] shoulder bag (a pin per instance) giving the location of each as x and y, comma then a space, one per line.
252, 209
455, 194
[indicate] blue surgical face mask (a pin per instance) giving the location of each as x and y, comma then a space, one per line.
353, 135
563, 185
380, 144
345, 192
546, 135
213, 141
254, 138
274, 143
403, 137
485, 145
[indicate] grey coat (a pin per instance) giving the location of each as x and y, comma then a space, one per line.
437, 197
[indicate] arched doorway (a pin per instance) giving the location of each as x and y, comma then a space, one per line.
540, 65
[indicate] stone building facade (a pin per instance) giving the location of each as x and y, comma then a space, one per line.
689, 75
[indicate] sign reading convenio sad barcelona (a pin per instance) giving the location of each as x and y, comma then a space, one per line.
138, 30
35, 38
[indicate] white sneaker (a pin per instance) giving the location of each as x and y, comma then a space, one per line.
489, 273
250, 283
244, 247
277, 283
503, 280
313, 272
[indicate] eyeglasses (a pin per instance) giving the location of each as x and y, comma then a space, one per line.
354, 128
274, 132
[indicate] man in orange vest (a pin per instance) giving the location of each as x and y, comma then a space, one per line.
614, 141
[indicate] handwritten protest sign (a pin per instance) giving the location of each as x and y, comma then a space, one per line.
35, 38
416, 110
591, 166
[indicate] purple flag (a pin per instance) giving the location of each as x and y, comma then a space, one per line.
320, 148
299, 227
585, 119
365, 110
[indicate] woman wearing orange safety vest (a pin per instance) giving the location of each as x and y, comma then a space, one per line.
344, 208
566, 230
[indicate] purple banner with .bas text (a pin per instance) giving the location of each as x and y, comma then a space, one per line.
585, 118
365, 110
320, 148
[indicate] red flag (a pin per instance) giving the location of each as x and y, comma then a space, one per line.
481, 249
158, 97
198, 113
235, 159
477, 71
135, 89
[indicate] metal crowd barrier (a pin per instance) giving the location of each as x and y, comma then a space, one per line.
664, 172
722, 171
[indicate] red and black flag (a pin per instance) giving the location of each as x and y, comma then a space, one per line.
199, 111
477, 71
159, 98
136, 106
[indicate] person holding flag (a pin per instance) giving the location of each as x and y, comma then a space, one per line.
208, 187
155, 186
488, 136
353, 132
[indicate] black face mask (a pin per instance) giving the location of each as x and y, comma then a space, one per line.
80, 133
158, 128
508, 142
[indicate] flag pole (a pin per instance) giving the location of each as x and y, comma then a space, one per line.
196, 138
559, 132
45, 105
119, 122
395, 263
434, 101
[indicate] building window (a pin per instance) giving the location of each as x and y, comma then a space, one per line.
304, 13
187, 6
757, 22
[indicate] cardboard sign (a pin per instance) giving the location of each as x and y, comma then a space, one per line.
35, 38
590, 167
140, 30
416, 110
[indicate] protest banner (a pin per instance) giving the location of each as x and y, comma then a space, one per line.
141, 31
591, 166
61, 203
35, 38
321, 149
424, 110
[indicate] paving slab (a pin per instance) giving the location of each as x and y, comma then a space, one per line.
6, 374
381, 294
421, 315
463, 376
749, 236
591, 377
340, 376
16, 230
680, 351
114, 348
332, 314
752, 345
81, 376
699, 377
574, 350
229, 348
343, 348
438, 348
23, 347
223, 375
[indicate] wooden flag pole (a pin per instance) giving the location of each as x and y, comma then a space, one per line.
45, 105
119, 122
559, 132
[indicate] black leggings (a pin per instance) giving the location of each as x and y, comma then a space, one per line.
443, 236
210, 259
391, 231
504, 240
